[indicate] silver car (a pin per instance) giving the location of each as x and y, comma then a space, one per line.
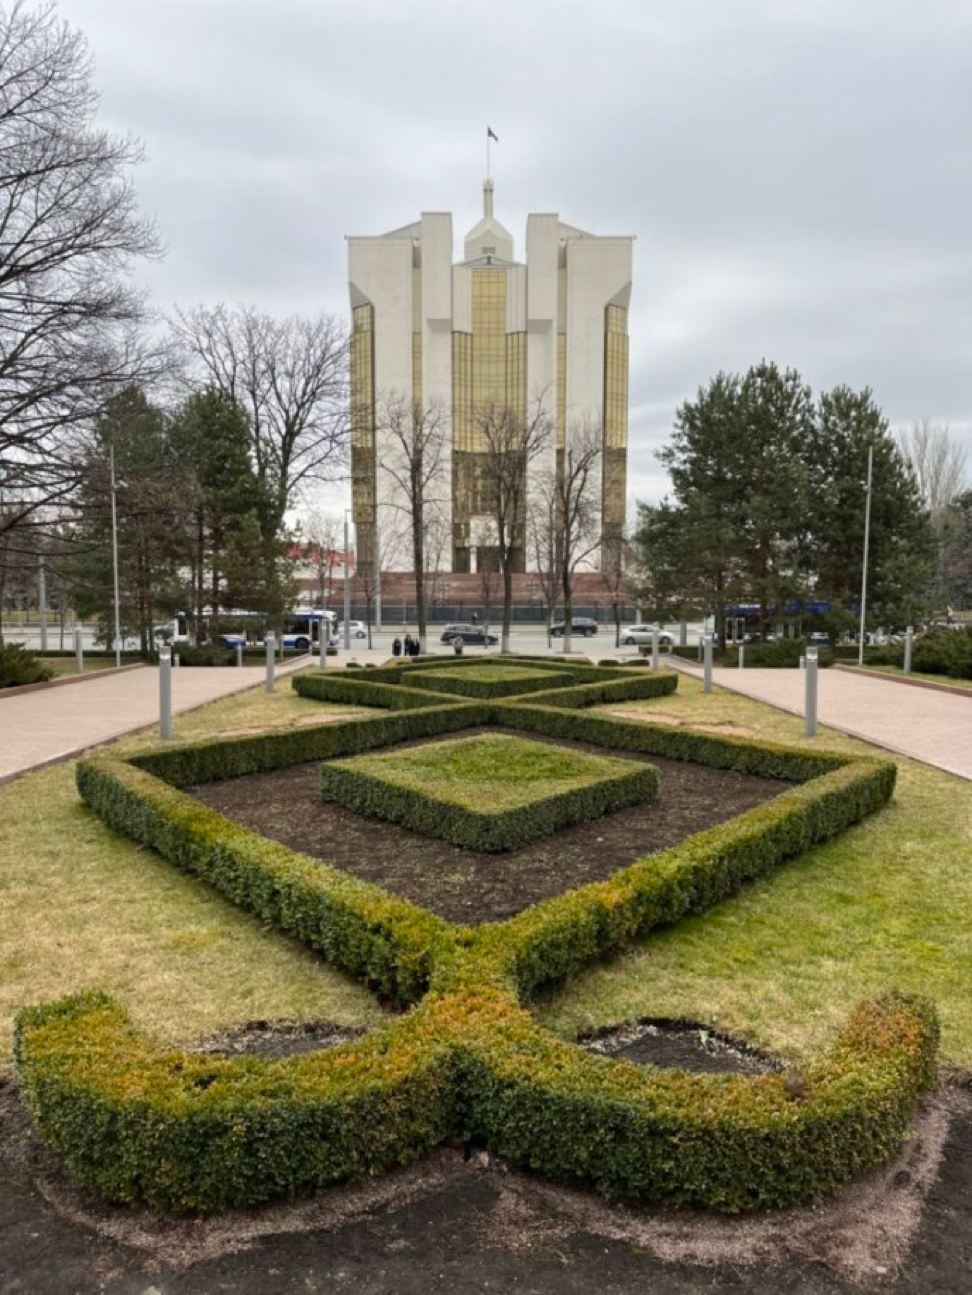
636, 634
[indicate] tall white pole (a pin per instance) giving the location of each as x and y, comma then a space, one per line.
867, 544
347, 585
42, 600
114, 560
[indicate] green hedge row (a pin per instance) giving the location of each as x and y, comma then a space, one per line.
359, 928
229, 757
202, 1133
357, 690
433, 814
464, 684
719, 1142
634, 685
742, 754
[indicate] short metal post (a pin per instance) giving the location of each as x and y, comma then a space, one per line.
270, 662
909, 644
810, 707
165, 693
742, 656
701, 641
42, 600
239, 655
682, 633
78, 650
325, 635
803, 661
654, 649
707, 659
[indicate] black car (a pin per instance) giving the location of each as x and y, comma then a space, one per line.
467, 633
578, 625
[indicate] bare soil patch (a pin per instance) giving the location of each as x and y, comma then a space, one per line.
276, 1039
472, 886
681, 1045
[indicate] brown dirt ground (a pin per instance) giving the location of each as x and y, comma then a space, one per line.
457, 1226
471, 886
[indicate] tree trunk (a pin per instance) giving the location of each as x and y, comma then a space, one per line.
568, 609
507, 602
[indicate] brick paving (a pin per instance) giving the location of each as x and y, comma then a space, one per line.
52, 724
927, 725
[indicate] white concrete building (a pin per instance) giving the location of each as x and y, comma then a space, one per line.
487, 331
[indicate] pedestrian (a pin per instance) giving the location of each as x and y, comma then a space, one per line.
396, 646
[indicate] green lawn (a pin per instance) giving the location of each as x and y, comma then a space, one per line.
896, 672
493, 771
61, 665
886, 904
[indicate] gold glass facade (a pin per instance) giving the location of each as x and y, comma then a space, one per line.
614, 471
363, 471
489, 370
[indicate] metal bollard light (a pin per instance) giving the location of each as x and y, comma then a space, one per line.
742, 656
908, 646
270, 644
707, 660
701, 641
683, 633
239, 656
78, 650
810, 704
654, 649
325, 636
165, 693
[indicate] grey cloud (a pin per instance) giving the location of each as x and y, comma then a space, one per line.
796, 171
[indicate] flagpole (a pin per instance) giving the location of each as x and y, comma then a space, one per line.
487, 154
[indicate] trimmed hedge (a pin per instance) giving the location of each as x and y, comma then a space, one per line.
358, 691
201, 1133
632, 686
434, 813
722, 1142
465, 683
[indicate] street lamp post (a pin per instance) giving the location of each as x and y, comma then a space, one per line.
347, 584
114, 558
867, 542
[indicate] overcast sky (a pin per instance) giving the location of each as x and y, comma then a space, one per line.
797, 172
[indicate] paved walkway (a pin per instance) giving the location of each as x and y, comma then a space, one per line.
51, 724
929, 726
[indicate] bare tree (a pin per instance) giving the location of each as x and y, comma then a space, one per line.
614, 575
69, 231
940, 466
322, 537
578, 512
415, 436
544, 540
291, 377
511, 443
939, 463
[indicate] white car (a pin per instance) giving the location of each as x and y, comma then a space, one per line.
359, 630
636, 634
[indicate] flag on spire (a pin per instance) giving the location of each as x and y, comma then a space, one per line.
491, 134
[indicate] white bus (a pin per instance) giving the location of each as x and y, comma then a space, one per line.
302, 629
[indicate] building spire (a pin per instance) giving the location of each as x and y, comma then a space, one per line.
487, 197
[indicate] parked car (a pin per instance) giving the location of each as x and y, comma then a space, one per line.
818, 639
467, 633
632, 634
359, 630
233, 640
582, 625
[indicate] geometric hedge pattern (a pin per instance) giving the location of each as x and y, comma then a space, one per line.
466, 1057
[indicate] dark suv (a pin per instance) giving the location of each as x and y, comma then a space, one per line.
578, 625
467, 633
